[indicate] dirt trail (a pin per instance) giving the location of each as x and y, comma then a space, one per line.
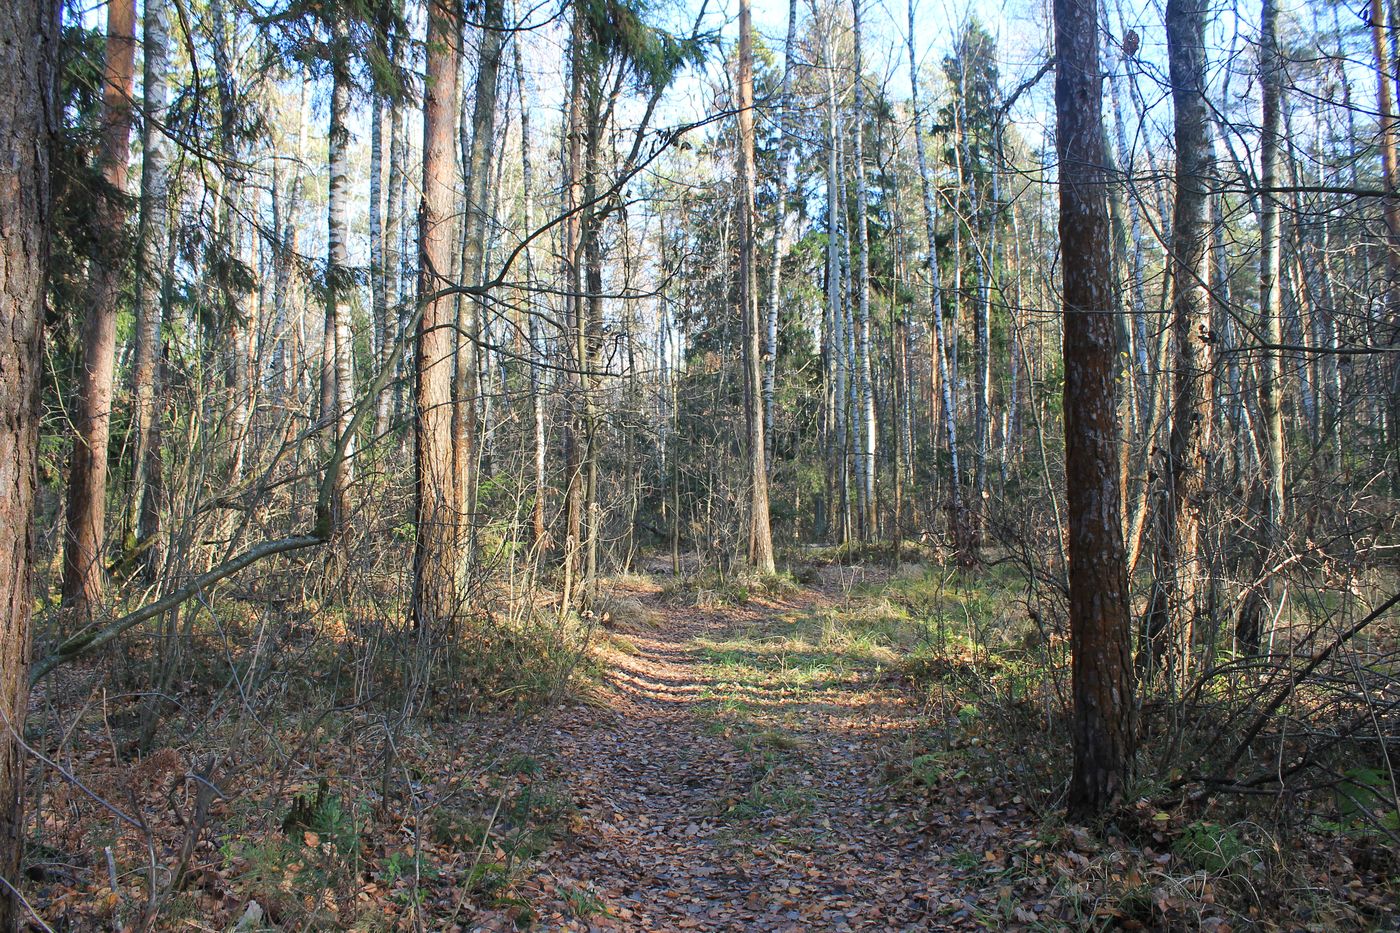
727, 781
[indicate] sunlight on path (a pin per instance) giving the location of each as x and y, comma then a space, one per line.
728, 779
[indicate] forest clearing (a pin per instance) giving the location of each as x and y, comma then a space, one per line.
694, 464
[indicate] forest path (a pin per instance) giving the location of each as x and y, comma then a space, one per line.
733, 773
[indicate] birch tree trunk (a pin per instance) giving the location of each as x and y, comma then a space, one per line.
152, 261
865, 471
956, 518
775, 269
338, 279
378, 271
534, 331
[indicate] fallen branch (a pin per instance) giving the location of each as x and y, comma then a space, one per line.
1313, 664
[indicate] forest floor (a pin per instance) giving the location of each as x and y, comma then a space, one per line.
737, 769
867, 750
730, 775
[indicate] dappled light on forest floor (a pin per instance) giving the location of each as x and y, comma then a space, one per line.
722, 787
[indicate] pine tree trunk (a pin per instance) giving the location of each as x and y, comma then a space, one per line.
434, 566
1098, 588
84, 575
29, 47
760, 530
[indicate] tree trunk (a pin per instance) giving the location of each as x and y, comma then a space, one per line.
865, 471
434, 569
1179, 584
1255, 607
533, 329
956, 517
1098, 587
760, 530
477, 169
83, 557
575, 316
28, 47
378, 268
143, 507
775, 269
338, 280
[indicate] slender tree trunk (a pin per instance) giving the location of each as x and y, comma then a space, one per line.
839, 372
28, 47
396, 253
956, 518
1180, 587
378, 269
575, 316
470, 310
1255, 607
434, 554
866, 393
1102, 672
338, 280
152, 261
83, 557
533, 329
760, 545
775, 269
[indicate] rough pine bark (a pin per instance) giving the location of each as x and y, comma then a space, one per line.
83, 555
28, 48
1102, 674
434, 577
760, 528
